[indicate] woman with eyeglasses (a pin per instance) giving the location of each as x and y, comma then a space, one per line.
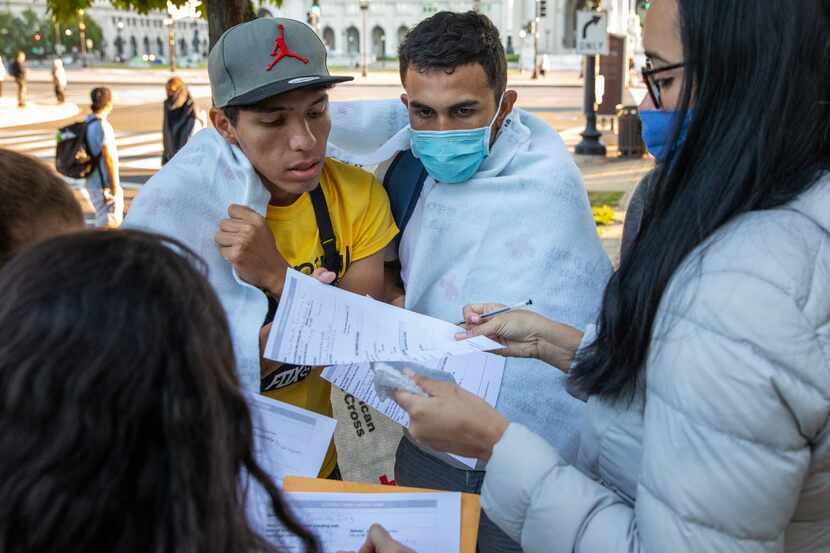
658, 75
707, 375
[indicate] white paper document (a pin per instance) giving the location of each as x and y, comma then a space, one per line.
289, 441
422, 521
317, 324
478, 373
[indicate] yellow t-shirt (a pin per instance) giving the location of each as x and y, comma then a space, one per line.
363, 225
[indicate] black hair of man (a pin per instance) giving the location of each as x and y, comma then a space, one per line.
101, 97
448, 40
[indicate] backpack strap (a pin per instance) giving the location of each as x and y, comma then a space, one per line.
96, 159
331, 257
403, 182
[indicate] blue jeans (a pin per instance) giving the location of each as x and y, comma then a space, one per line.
414, 467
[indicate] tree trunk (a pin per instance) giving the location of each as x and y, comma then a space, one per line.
224, 14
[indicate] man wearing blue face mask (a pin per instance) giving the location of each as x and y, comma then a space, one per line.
489, 202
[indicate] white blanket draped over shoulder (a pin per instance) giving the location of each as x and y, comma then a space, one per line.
521, 228
187, 199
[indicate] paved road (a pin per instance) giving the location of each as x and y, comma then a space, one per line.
137, 117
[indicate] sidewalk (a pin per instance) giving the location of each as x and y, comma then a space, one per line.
33, 113
387, 77
604, 176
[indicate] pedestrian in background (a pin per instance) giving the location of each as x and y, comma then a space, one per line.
20, 72
2, 73
103, 184
59, 79
181, 119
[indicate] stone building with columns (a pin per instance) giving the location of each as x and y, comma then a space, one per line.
128, 34
340, 24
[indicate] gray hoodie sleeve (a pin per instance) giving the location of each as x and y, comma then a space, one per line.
634, 214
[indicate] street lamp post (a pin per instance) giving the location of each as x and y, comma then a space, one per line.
534, 26
590, 145
171, 42
82, 31
364, 8
174, 13
119, 41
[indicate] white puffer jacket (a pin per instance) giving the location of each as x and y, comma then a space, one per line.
728, 447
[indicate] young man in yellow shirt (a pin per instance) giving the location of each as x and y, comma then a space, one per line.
269, 82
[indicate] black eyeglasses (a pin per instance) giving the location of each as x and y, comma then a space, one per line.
652, 84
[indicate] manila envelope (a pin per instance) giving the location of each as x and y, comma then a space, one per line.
470, 503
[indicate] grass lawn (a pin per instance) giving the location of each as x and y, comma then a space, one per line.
599, 199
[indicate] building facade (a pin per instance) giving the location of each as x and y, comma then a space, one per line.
128, 35
340, 24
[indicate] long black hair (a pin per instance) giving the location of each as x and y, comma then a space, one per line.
123, 427
758, 77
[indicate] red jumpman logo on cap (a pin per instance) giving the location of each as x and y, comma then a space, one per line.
281, 49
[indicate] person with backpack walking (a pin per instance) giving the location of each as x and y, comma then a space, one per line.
59, 79
103, 183
20, 73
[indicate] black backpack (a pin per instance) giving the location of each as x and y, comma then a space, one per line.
72, 155
403, 182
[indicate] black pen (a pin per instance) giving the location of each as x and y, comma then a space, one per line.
500, 311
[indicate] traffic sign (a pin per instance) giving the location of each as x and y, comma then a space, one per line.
592, 33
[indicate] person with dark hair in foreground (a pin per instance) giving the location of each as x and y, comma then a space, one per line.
708, 372
35, 203
122, 424
488, 200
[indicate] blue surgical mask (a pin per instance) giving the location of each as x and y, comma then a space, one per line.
453, 156
658, 127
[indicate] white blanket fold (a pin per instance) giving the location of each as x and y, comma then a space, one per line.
521, 229
186, 200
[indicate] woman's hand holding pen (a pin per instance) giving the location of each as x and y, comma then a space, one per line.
524, 334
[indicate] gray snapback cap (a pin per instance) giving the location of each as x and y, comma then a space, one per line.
265, 57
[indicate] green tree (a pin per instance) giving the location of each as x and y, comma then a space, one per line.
72, 42
12, 38
221, 14
39, 36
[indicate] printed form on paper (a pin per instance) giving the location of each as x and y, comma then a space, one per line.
422, 521
317, 325
478, 373
288, 440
